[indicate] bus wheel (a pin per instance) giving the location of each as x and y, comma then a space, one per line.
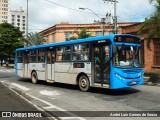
84, 83
34, 77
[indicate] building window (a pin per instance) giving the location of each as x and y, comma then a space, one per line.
156, 52
46, 38
53, 37
68, 35
99, 33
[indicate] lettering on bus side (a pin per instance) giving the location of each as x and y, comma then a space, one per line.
78, 65
102, 41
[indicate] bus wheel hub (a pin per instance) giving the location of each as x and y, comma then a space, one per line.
83, 83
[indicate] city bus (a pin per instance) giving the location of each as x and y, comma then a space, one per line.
111, 61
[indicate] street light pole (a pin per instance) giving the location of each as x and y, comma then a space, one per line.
91, 11
102, 19
115, 18
27, 20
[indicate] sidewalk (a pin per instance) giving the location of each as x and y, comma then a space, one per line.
153, 80
4, 67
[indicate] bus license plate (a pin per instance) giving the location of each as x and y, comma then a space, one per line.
133, 83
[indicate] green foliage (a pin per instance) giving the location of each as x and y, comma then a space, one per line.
152, 74
34, 39
152, 25
82, 34
9, 40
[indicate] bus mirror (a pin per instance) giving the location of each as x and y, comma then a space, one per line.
114, 49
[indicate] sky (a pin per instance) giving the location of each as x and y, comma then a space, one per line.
47, 13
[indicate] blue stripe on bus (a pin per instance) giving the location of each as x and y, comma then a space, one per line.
91, 39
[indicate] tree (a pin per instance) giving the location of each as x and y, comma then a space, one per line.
152, 25
9, 40
34, 39
81, 34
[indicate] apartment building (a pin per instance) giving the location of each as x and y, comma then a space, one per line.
18, 18
4, 10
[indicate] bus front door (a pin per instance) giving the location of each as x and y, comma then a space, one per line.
50, 65
101, 64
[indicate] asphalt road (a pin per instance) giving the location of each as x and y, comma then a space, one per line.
62, 97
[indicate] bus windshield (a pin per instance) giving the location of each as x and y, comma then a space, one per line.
127, 56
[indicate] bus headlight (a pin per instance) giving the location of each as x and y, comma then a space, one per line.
142, 75
118, 76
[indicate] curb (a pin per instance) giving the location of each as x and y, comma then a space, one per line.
149, 82
6, 67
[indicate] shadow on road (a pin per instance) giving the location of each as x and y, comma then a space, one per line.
114, 92
106, 91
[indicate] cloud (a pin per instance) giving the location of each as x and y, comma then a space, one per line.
46, 13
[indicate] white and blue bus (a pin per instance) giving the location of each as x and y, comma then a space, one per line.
112, 61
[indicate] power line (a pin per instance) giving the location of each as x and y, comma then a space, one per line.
70, 8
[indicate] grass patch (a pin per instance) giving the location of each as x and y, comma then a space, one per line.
151, 74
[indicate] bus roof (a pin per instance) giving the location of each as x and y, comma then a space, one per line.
91, 39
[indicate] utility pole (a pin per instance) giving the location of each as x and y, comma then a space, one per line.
103, 24
115, 16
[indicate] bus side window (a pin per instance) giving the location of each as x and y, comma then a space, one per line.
59, 54
20, 56
67, 53
33, 56
80, 52
40, 55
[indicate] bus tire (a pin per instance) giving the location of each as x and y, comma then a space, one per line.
34, 77
84, 83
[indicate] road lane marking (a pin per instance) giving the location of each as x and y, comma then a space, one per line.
25, 99
20, 86
47, 103
49, 93
3, 81
58, 108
